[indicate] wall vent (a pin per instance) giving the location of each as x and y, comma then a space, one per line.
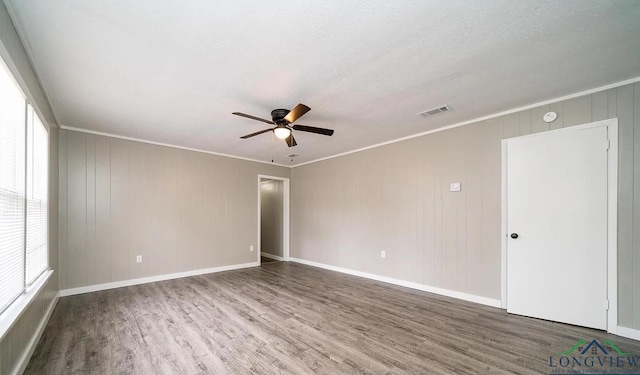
435, 111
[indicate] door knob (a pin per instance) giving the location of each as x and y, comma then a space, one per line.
514, 235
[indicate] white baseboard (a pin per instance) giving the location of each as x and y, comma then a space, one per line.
426, 288
629, 333
151, 279
35, 339
271, 256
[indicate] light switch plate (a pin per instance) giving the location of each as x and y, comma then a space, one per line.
455, 186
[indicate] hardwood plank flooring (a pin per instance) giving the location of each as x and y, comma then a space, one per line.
293, 319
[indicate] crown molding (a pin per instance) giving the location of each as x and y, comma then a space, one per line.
456, 125
64, 127
478, 119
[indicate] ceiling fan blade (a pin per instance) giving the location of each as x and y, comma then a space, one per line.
313, 129
252, 117
290, 140
256, 133
296, 113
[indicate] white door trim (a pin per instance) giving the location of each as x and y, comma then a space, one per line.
612, 217
285, 215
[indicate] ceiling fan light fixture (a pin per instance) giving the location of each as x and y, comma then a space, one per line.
282, 132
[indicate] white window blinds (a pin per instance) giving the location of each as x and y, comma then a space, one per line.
37, 188
24, 186
12, 189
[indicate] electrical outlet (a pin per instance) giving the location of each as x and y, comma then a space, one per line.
139, 259
251, 248
383, 254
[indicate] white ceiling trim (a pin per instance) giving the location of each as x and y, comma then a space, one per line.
463, 123
488, 117
167, 145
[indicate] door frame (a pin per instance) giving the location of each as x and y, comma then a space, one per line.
285, 215
612, 216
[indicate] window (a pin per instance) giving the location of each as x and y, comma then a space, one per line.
36, 255
24, 180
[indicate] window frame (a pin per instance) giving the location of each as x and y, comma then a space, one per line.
11, 314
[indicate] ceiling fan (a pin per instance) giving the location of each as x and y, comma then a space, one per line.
282, 119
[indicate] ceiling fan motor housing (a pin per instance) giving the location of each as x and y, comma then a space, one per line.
278, 116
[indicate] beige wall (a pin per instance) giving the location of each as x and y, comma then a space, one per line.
180, 210
271, 226
15, 346
396, 198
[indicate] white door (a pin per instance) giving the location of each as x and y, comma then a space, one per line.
557, 226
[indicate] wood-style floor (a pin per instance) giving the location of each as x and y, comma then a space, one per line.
266, 260
289, 318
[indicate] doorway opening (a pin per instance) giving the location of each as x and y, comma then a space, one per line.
273, 219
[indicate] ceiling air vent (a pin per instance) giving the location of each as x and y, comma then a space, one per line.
435, 111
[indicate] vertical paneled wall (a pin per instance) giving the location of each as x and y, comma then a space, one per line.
180, 210
396, 198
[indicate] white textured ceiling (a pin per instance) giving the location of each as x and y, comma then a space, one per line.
173, 71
